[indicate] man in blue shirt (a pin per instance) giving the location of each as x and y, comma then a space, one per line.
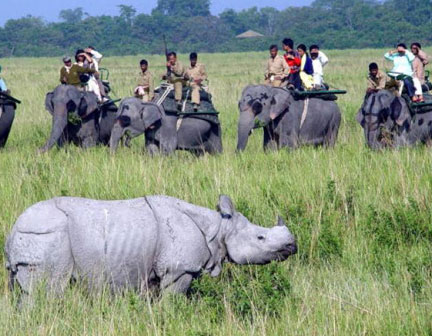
403, 69
3, 87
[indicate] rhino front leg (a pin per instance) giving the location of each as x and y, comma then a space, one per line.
178, 286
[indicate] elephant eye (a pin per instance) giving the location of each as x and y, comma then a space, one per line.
261, 237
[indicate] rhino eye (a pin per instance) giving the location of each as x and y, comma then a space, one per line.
261, 237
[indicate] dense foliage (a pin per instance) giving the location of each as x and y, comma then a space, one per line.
189, 25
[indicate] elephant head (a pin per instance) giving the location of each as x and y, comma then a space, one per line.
135, 118
259, 106
381, 113
63, 100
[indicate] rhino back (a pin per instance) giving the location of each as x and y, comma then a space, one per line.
112, 241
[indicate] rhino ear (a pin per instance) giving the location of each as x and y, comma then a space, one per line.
226, 206
280, 221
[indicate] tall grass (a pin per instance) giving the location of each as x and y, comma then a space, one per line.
362, 219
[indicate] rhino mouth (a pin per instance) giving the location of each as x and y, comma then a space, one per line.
287, 251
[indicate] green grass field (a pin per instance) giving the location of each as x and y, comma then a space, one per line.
362, 219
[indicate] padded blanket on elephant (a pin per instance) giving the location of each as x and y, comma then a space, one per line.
7, 102
324, 96
206, 112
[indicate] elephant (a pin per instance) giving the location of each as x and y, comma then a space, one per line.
155, 243
91, 124
197, 134
7, 116
280, 114
388, 121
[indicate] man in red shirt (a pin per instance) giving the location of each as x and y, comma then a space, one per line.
294, 62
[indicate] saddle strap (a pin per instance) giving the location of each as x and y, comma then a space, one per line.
305, 112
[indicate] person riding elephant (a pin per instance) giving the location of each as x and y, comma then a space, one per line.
162, 130
287, 122
387, 121
77, 118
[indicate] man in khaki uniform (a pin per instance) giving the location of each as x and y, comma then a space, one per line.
176, 76
377, 80
277, 68
70, 73
196, 74
145, 87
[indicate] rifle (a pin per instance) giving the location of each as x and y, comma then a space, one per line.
12, 99
166, 55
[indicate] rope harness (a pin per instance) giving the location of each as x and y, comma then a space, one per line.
305, 112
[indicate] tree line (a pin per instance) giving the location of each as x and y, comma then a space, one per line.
190, 26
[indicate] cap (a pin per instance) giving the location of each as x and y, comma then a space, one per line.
66, 59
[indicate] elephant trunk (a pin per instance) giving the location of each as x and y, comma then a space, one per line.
60, 121
245, 126
116, 134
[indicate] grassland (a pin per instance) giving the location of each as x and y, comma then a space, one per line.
363, 219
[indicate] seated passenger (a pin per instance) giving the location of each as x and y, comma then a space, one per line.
3, 86
277, 68
306, 68
377, 80
73, 76
95, 79
65, 70
145, 87
195, 74
175, 75
294, 63
419, 64
403, 70
319, 61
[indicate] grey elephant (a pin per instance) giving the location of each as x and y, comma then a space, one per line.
154, 242
77, 118
165, 132
387, 121
280, 114
7, 116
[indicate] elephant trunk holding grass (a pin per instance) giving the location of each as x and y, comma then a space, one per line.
90, 126
163, 131
276, 110
388, 122
154, 242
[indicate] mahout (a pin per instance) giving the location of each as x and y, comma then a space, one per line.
155, 242
286, 121
391, 121
78, 118
165, 130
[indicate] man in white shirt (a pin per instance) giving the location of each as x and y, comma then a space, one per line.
319, 61
95, 85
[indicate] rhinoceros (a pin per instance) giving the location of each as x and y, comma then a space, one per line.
153, 242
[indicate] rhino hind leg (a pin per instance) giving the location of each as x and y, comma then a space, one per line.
40, 254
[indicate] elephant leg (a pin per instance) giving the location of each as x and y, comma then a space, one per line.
214, 142
89, 133
270, 143
333, 131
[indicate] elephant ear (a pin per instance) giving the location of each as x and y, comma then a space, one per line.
49, 105
88, 104
150, 114
399, 111
279, 103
